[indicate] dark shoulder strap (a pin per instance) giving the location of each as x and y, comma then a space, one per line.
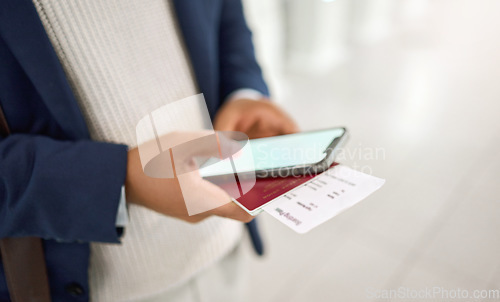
25, 270
23, 260
4, 128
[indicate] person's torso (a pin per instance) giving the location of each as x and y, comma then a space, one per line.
124, 59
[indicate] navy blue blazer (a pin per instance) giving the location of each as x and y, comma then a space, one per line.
55, 182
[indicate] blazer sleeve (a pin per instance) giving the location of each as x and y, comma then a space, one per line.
61, 190
238, 66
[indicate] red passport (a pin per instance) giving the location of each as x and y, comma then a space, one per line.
268, 189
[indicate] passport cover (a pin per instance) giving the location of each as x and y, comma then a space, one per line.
268, 189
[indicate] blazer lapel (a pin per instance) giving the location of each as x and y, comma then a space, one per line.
199, 39
22, 30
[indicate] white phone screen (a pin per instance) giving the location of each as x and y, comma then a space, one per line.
277, 152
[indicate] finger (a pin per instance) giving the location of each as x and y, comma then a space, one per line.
218, 145
226, 121
290, 127
246, 123
229, 142
175, 138
260, 133
233, 211
196, 218
268, 127
281, 124
201, 196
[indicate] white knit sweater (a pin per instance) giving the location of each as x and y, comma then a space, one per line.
123, 59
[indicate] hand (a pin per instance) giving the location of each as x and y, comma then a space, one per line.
255, 118
164, 195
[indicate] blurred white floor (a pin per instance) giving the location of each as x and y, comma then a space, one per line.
429, 97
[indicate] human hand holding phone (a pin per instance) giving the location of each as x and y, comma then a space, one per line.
256, 118
165, 196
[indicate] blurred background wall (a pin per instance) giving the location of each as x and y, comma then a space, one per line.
316, 35
417, 79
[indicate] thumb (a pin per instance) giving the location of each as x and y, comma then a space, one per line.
226, 121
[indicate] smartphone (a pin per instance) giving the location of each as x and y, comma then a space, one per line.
303, 153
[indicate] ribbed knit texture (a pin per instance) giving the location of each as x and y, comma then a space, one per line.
123, 59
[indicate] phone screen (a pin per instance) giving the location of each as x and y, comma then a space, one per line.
277, 152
